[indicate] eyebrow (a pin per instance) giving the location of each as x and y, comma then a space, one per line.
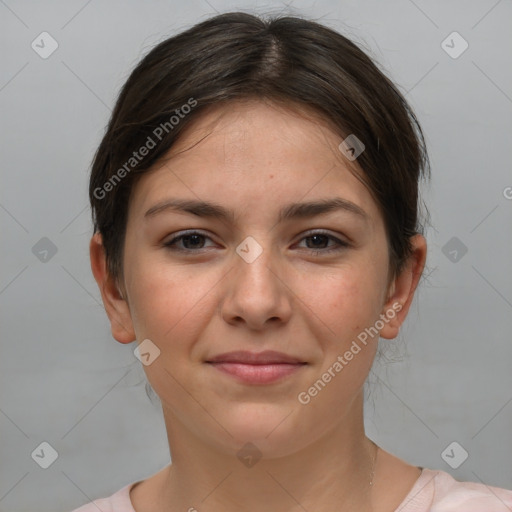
288, 212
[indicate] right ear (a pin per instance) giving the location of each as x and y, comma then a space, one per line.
116, 306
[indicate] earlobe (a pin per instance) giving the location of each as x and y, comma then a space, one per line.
403, 287
115, 304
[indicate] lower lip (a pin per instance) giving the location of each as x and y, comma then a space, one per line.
258, 373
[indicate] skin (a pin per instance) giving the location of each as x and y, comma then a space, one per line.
253, 158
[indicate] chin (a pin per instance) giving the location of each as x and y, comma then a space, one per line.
270, 428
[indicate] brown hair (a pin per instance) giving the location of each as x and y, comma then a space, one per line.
288, 60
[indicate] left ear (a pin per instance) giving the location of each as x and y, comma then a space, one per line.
401, 290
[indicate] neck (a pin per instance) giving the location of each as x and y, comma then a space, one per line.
333, 471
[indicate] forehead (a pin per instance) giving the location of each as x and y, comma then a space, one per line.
254, 155
258, 127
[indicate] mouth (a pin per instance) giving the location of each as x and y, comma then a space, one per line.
256, 368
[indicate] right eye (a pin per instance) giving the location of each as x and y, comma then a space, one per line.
191, 241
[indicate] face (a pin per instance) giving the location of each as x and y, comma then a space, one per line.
304, 282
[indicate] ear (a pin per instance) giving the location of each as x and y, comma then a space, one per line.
116, 306
401, 290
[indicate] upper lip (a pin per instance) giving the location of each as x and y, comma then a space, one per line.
245, 357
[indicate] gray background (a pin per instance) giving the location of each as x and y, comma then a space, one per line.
65, 381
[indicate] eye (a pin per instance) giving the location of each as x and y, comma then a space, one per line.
190, 240
318, 242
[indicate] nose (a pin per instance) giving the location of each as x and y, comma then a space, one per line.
257, 295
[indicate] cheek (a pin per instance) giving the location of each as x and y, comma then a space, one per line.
345, 299
165, 300
345, 306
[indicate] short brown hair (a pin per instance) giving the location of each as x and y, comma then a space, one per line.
288, 60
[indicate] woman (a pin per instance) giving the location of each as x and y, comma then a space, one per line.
255, 205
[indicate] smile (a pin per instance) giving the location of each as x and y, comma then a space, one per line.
258, 373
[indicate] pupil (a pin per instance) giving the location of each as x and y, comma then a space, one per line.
317, 237
188, 238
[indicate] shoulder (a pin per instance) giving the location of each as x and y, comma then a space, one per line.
438, 491
118, 502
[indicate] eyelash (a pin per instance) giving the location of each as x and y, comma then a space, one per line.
171, 244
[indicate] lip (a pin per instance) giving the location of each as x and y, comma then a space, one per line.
258, 373
256, 368
255, 358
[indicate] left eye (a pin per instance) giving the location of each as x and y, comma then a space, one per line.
319, 241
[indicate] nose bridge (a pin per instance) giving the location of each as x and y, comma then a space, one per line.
257, 293
255, 265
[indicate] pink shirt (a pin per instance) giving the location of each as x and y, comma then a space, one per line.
434, 491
